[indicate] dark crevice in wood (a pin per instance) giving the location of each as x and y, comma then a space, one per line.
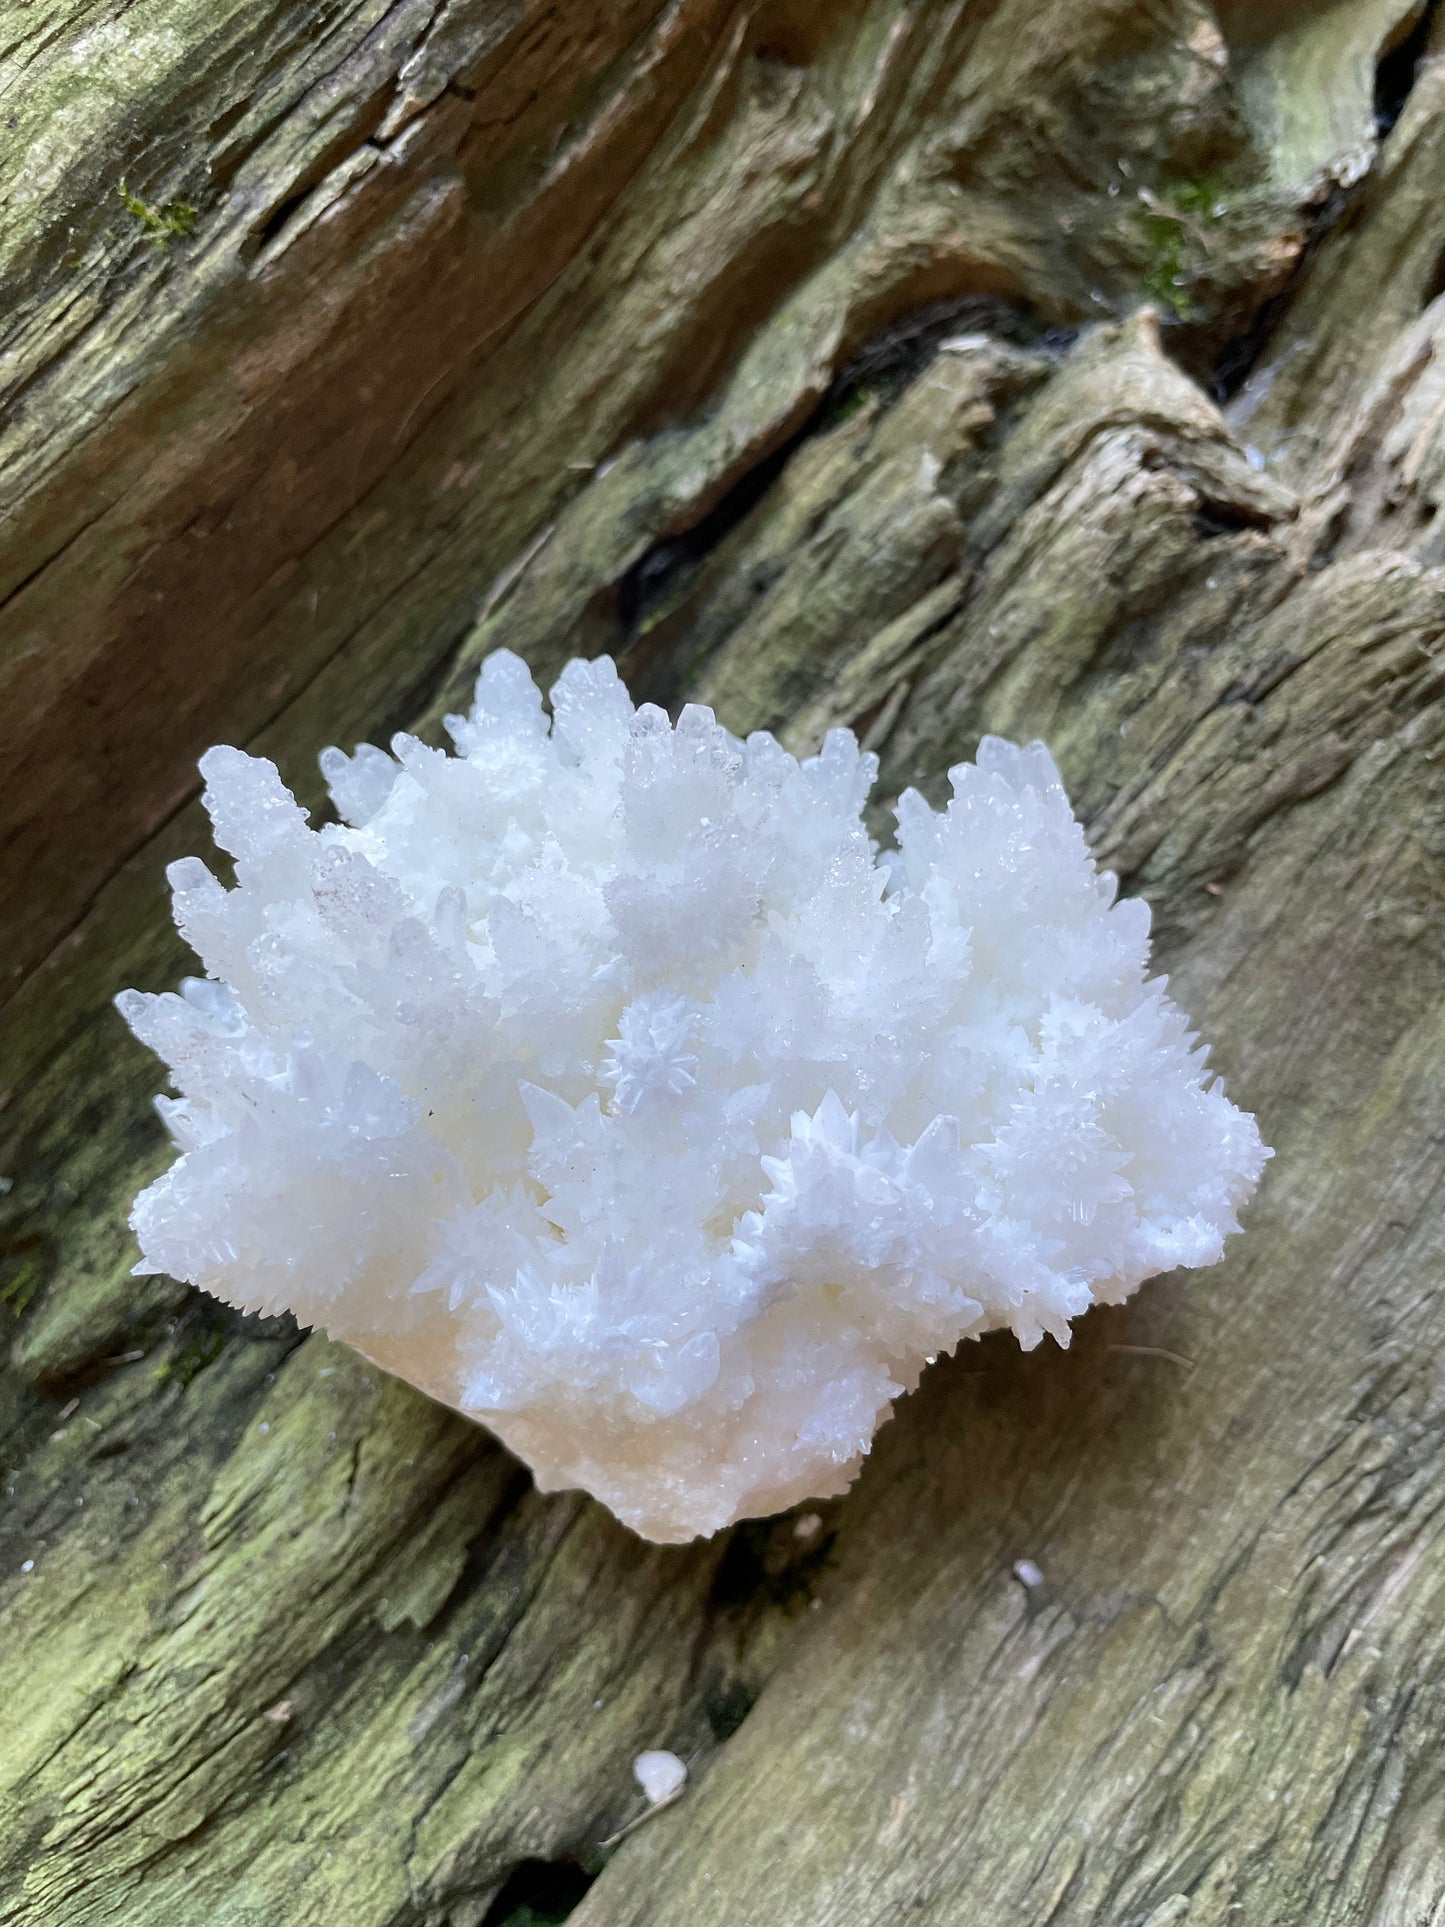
350, 141
1234, 363
880, 370
487, 1543
71, 538
1433, 289
892, 359
1398, 66
1394, 79
659, 574
539, 1893
1215, 518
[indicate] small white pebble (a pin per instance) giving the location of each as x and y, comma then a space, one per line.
28, 1566
661, 1776
265, 1428
808, 1527
1027, 1573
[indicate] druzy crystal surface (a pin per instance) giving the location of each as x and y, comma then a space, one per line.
607, 1081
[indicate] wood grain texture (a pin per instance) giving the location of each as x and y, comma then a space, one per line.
1067, 370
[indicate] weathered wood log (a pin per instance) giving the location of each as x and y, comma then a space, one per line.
1066, 369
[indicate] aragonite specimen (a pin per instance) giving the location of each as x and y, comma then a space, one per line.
607, 1081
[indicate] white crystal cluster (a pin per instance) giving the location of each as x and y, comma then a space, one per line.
605, 1080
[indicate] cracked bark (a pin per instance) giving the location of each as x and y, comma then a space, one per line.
1067, 370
